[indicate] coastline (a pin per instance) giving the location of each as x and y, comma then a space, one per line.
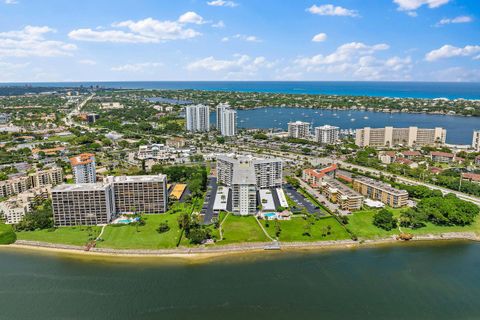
208, 252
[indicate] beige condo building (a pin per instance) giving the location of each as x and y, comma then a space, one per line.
380, 191
390, 136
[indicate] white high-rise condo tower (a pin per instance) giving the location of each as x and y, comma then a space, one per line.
197, 118
299, 129
229, 123
83, 168
220, 108
326, 134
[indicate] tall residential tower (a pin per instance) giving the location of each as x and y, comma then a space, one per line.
83, 168
197, 118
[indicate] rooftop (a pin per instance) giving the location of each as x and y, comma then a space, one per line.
333, 183
441, 154
83, 158
319, 173
151, 178
80, 187
243, 173
381, 185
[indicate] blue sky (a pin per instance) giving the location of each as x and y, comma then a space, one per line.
92, 40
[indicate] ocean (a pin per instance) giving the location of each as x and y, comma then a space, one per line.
449, 90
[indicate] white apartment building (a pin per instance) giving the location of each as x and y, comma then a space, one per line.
83, 168
245, 175
197, 118
145, 194
327, 134
228, 126
82, 204
98, 203
476, 140
244, 190
220, 108
390, 136
299, 129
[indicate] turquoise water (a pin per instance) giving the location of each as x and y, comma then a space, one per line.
270, 214
459, 129
407, 281
450, 90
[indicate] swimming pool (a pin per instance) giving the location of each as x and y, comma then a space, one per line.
270, 215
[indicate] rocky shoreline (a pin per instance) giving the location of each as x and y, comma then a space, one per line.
217, 250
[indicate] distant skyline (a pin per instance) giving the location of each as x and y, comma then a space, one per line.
193, 40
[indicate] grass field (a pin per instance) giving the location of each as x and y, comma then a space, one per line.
78, 236
146, 237
143, 237
294, 229
361, 224
241, 229
7, 235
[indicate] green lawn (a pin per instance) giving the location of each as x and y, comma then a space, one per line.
7, 235
237, 229
361, 224
78, 236
294, 229
146, 237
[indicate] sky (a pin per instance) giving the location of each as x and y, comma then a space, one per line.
190, 40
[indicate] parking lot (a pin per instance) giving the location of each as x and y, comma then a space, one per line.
207, 209
300, 200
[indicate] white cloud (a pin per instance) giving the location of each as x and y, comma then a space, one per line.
220, 24
136, 67
148, 30
191, 17
11, 2
320, 37
343, 53
448, 51
456, 74
411, 5
243, 37
354, 60
459, 19
331, 10
222, 3
5, 66
87, 62
30, 41
239, 67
